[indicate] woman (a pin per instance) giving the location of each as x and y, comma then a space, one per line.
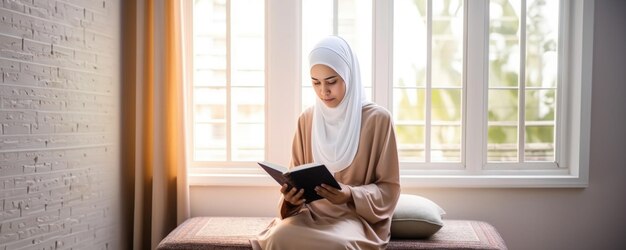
355, 140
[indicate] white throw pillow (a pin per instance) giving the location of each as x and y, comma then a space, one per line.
416, 217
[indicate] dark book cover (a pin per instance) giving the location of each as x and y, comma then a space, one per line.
304, 176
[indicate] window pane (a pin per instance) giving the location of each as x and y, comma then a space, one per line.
447, 43
411, 71
409, 43
542, 29
210, 139
247, 45
210, 136
540, 123
229, 80
504, 46
209, 113
409, 104
209, 155
446, 104
209, 104
248, 105
410, 142
446, 144
209, 43
209, 76
503, 105
540, 42
540, 105
209, 62
248, 142
248, 62
203, 95
539, 143
502, 144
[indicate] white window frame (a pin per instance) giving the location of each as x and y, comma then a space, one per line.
283, 60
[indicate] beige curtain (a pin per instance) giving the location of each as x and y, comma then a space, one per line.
155, 180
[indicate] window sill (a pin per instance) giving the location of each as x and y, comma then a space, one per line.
408, 180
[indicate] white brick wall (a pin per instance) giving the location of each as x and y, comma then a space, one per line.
59, 115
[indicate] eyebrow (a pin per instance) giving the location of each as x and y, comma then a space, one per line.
327, 78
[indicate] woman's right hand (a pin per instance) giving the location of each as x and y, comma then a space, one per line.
293, 196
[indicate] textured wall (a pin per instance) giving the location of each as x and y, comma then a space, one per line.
59, 113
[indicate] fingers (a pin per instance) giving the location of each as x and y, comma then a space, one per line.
332, 194
326, 191
293, 196
296, 197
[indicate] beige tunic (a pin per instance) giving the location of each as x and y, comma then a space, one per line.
373, 177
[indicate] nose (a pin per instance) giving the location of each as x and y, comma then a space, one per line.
325, 89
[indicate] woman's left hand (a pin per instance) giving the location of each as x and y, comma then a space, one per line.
334, 195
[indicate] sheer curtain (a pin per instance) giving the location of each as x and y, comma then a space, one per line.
155, 176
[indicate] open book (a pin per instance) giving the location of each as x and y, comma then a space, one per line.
306, 176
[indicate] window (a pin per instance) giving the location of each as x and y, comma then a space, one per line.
483, 92
523, 78
428, 86
228, 81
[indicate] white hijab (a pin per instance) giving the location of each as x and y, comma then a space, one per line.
336, 131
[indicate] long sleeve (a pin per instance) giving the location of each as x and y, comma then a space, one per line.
375, 191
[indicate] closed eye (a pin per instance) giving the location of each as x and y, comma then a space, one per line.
330, 79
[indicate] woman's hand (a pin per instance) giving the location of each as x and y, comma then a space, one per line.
293, 196
334, 195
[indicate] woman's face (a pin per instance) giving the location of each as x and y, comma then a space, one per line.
328, 85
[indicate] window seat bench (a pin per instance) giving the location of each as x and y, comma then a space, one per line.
234, 233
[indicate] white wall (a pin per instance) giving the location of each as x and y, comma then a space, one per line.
527, 218
59, 132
